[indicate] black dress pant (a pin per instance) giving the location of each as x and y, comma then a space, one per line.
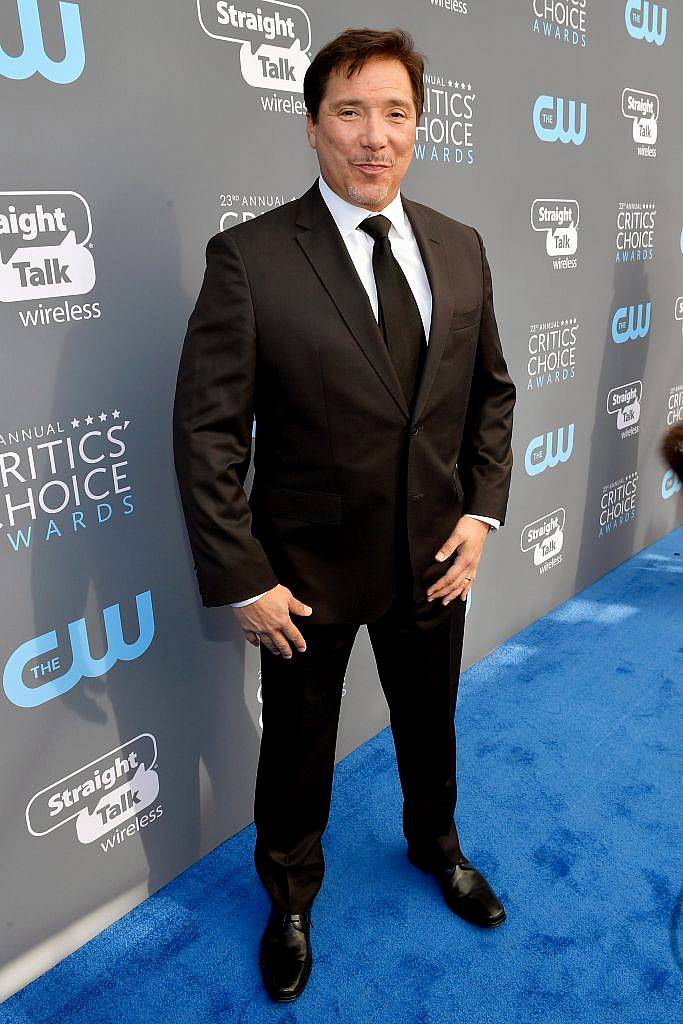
418, 649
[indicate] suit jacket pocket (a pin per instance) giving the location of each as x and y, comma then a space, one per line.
313, 506
466, 319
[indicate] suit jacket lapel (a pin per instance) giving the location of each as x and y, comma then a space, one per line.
325, 248
326, 251
435, 258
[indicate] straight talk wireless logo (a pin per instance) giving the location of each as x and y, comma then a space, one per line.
45, 254
544, 538
107, 799
451, 7
274, 40
642, 110
624, 405
558, 221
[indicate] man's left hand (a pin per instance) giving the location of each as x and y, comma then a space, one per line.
468, 535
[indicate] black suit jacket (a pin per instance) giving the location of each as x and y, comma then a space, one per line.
283, 329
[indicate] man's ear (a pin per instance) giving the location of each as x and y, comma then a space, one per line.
310, 130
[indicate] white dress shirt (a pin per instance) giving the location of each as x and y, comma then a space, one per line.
360, 244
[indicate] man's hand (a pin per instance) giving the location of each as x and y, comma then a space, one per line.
469, 535
267, 621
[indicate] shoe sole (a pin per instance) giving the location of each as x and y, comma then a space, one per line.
479, 924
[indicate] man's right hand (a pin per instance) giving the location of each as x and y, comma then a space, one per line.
267, 621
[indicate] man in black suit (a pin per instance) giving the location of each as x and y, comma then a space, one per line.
358, 327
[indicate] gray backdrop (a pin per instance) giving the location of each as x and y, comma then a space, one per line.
131, 717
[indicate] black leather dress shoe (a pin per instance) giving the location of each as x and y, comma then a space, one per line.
465, 891
285, 956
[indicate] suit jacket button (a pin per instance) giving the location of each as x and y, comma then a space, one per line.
414, 430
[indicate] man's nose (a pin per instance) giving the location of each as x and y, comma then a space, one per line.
374, 134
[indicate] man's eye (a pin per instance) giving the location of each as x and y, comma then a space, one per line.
347, 112
397, 114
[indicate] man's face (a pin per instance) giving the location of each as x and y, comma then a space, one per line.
365, 132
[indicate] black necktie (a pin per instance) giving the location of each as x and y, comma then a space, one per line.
399, 316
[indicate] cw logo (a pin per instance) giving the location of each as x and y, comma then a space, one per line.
540, 452
550, 123
33, 60
83, 663
670, 484
641, 21
631, 322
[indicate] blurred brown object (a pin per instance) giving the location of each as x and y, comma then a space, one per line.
672, 449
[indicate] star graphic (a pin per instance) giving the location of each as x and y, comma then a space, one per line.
103, 416
88, 420
75, 423
115, 415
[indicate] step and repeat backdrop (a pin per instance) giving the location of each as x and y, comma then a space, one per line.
132, 132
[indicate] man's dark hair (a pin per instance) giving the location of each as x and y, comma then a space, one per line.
671, 448
350, 50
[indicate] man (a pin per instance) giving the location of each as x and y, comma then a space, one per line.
358, 327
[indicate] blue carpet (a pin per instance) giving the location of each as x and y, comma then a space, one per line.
569, 801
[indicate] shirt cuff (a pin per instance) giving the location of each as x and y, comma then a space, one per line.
249, 600
495, 523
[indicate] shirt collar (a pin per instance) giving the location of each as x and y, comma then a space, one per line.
347, 217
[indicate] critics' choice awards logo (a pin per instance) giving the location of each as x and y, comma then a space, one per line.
623, 403
558, 219
445, 132
645, 20
31, 679
635, 240
545, 538
45, 254
62, 479
33, 59
274, 40
618, 503
101, 796
631, 323
547, 450
674, 408
562, 20
556, 119
237, 207
642, 109
552, 353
